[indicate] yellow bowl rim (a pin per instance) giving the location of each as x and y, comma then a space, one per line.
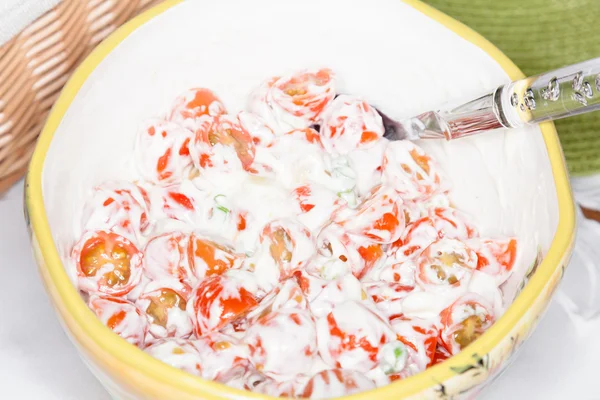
156, 370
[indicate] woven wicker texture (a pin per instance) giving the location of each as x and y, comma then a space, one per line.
540, 35
537, 34
35, 65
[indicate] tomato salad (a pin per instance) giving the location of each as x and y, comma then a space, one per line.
289, 249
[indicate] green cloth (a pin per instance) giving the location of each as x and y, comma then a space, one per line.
540, 35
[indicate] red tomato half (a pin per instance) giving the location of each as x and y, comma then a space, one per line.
107, 263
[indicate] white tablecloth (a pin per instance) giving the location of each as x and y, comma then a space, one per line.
37, 361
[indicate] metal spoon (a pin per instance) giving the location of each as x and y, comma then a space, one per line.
561, 93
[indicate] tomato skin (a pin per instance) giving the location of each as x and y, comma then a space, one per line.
115, 256
122, 317
224, 294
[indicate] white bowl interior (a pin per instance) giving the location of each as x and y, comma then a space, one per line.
396, 57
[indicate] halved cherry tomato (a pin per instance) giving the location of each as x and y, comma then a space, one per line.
495, 256
335, 383
207, 258
120, 207
420, 338
439, 223
400, 272
409, 170
378, 217
464, 321
219, 353
122, 317
288, 294
316, 205
290, 245
165, 256
162, 152
388, 297
195, 103
258, 130
217, 301
165, 302
308, 135
345, 344
360, 253
270, 351
441, 355
181, 202
350, 123
220, 142
445, 262
304, 94
179, 353
107, 263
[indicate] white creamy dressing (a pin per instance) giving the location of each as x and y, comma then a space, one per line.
366, 224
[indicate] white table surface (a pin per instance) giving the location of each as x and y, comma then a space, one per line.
37, 361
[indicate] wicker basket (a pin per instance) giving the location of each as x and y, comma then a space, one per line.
36, 64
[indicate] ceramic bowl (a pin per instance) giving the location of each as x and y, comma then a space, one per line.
405, 57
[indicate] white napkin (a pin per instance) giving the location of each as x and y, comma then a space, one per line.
15, 15
580, 294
